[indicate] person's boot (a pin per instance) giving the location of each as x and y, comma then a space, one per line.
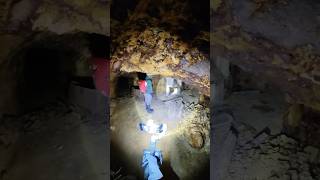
142, 127
150, 109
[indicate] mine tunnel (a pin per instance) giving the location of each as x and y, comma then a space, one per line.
160, 73
44, 75
257, 62
56, 117
177, 104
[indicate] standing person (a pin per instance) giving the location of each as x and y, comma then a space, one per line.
148, 94
145, 87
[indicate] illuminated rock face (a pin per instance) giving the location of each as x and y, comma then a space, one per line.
274, 40
163, 42
156, 51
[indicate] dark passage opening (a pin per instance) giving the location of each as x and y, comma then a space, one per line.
141, 76
99, 45
56, 129
45, 75
41, 69
124, 85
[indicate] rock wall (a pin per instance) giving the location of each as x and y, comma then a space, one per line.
61, 16
21, 20
71, 58
276, 40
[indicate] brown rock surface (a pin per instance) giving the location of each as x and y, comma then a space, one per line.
155, 45
60, 17
268, 39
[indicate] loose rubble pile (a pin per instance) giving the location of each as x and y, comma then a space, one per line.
273, 157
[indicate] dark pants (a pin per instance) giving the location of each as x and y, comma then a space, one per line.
147, 99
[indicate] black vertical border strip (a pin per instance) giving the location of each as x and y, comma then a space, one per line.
107, 112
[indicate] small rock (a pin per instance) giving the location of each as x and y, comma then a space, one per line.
195, 138
264, 148
273, 150
286, 140
302, 156
260, 139
305, 176
293, 175
59, 147
294, 164
284, 152
312, 152
286, 177
112, 128
274, 143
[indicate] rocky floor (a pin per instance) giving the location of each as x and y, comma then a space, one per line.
55, 142
274, 157
263, 150
258, 110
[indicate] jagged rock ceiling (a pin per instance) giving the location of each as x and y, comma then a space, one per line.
62, 16
276, 40
166, 38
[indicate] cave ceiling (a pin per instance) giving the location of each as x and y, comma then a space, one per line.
21, 21
58, 16
274, 39
165, 37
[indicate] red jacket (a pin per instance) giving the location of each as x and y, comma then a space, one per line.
101, 74
142, 86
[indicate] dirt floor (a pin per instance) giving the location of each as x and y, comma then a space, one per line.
126, 136
128, 142
56, 142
